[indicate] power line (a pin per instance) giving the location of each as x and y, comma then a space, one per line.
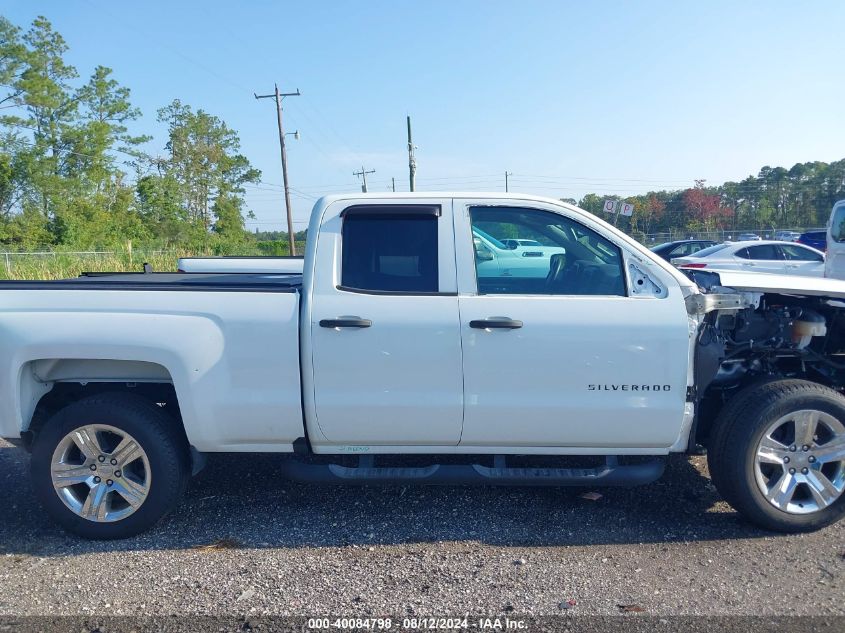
332, 129
150, 37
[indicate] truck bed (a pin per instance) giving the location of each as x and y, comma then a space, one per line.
233, 360
229, 282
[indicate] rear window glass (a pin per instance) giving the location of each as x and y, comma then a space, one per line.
387, 253
704, 252
764, 251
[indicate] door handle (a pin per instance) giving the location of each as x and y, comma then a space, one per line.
748, 264
356, 322
496, 323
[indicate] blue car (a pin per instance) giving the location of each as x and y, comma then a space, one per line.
816, 239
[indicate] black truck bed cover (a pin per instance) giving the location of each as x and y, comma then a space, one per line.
209, 282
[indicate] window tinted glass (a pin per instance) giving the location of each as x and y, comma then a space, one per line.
681, 250
704, 252
569, 260
390, 252
688, 248
798, 253
764, 251
837, 224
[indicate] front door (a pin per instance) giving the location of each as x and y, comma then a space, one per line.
385, 336
566, 358
802, 261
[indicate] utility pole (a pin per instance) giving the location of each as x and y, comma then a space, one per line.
279, 96
412, 163
363, 174
507, 173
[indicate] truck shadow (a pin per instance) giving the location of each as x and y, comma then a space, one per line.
241, 501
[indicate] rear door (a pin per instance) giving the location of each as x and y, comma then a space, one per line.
762, 258
384, 331
566, 358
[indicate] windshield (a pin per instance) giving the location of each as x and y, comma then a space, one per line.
704, 252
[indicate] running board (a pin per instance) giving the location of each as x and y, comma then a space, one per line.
609, 474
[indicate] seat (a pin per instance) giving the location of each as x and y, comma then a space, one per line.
556, 276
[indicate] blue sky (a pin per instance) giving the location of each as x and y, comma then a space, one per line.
616, 97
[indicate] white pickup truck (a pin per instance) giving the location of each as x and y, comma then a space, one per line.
398, 339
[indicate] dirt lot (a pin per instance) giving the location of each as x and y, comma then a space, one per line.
283, 548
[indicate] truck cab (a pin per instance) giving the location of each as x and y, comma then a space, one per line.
479, 348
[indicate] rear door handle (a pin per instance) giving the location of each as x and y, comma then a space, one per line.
356, 322
496, 323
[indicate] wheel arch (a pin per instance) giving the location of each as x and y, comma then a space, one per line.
46, 385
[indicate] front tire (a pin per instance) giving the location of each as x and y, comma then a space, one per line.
778, 455
110, 466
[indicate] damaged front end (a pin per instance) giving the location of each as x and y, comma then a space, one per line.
760, 329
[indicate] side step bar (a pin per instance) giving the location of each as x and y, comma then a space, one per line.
609, 474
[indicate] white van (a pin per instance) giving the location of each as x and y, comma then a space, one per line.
835, 261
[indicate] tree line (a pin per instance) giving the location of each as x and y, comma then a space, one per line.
799, 197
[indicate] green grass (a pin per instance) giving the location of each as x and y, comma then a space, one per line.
61, 265
66, 264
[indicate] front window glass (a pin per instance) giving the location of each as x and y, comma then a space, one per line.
797, 253
565, 257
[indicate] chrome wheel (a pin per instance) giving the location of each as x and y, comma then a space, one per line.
101, 473
800, 462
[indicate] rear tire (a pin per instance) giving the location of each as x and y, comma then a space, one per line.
777, 455
110, 466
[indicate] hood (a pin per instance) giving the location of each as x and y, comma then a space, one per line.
765, 282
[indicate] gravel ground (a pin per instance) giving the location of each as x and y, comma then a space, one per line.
285, 548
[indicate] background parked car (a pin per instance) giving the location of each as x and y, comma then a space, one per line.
514, 244
814, 239
835, 267
787, 236
496, 259
758, 256
681, 248
745, 237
